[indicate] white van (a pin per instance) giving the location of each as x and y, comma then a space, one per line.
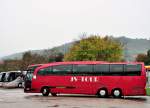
13, 79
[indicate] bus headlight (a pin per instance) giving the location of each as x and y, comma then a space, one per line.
34, 76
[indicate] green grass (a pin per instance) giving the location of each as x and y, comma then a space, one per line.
148, 91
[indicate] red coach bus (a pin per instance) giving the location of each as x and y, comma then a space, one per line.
89, 77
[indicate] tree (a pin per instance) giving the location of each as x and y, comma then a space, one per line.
57, 57
10, 65
29, 59
95, 48
141, 57
148, 53
147, 61
144, 58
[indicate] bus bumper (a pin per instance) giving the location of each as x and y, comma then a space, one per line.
30, 90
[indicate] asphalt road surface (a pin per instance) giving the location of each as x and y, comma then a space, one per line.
16, 98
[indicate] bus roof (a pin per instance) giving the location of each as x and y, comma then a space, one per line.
14, 71
87, 62
35, 65
10, 72
92, 62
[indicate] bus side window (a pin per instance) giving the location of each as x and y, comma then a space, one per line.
133, 69
45, 71
116, 69
62, 69
17, 74
101, 69
12, 76
83, 69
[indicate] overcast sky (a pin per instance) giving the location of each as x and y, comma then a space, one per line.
38, 24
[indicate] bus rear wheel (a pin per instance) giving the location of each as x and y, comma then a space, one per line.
45, 91
116, 93
102, 93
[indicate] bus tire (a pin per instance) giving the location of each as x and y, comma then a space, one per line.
19, 85
54, 94
116, 93
102, 93
45, 91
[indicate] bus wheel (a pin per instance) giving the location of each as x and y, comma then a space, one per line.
53, 94
102, 93
19, 85
116, 93
45, 91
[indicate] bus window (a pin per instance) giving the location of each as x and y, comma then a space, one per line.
62, 69
45, 71
102, 69
1, 77
116, 69
30, 71
12, 76
82, 69
6, 79
133, 69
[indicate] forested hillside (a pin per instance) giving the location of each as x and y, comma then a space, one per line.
132, 47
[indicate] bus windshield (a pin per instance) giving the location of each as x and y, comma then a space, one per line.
6, 79
30, 71
1, 77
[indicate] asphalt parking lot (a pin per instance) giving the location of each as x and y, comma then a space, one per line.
16, 98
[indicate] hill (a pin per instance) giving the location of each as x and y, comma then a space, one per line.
132, 47
44, 52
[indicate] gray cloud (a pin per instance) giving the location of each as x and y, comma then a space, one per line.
37, 24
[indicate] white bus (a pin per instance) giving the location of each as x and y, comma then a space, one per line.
12, 79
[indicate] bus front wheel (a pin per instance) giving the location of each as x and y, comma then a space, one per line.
19, 85
45, 91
